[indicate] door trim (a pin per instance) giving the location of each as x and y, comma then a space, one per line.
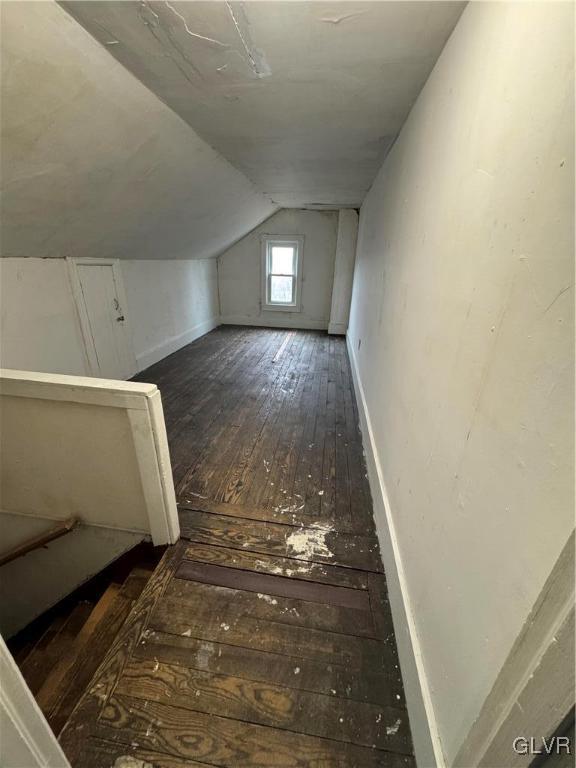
73, 262
534, 690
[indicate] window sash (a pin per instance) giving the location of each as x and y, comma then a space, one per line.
271, 244
296, 244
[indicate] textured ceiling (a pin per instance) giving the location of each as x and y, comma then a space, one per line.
305, 98
94, 165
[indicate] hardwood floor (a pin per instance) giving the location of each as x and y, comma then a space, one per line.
264, 638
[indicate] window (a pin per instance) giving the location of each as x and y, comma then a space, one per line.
282, 272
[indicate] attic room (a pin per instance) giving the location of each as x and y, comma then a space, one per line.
287, 384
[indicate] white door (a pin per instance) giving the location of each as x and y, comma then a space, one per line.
104, 323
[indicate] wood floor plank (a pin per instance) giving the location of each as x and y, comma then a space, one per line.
265, 637
271, 584
277, 566
226, 742
312, 544
98, 752
234, 602
178, 617
381, 686
267, 704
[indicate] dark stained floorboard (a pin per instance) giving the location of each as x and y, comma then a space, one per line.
264, 638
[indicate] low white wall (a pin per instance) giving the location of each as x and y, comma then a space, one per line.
170, 303
239, 272
461, 332
87, 448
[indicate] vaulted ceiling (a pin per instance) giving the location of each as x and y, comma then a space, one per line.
168, 129
304, 97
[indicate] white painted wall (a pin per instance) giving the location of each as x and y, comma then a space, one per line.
239, 271
343, 271
39, 328
88, 448
94, 164
170, 303
461, 332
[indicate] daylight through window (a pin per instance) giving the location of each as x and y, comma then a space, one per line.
282, 273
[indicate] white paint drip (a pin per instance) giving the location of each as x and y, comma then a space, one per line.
127, 761
267, 599
204, 655
310, 542
187, 633
225, 627
392, 730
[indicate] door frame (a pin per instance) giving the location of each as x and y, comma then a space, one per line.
73, 262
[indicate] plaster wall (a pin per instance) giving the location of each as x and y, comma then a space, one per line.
461, 333
170, 303
240, 272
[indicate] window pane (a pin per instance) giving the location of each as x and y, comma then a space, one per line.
282, 260
281, 289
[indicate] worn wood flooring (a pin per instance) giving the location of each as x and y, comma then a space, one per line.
264, 637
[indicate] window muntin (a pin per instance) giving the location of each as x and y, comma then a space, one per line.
281, 287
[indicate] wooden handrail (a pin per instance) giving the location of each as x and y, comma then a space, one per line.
62, 528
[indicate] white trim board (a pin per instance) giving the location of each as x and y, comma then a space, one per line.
425, 735
174, 343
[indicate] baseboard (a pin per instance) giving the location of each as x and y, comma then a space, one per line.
279, 321
337, 329
174, 343
427, 745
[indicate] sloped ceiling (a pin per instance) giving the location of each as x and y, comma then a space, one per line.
305, 98
95, 165
217, 114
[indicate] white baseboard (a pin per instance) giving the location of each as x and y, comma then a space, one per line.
425, 736
275, 320
174, 343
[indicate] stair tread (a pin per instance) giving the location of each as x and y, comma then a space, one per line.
135, 583
53, 644
49, 692
65, 685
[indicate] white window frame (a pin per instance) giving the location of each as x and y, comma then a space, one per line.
268, 241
